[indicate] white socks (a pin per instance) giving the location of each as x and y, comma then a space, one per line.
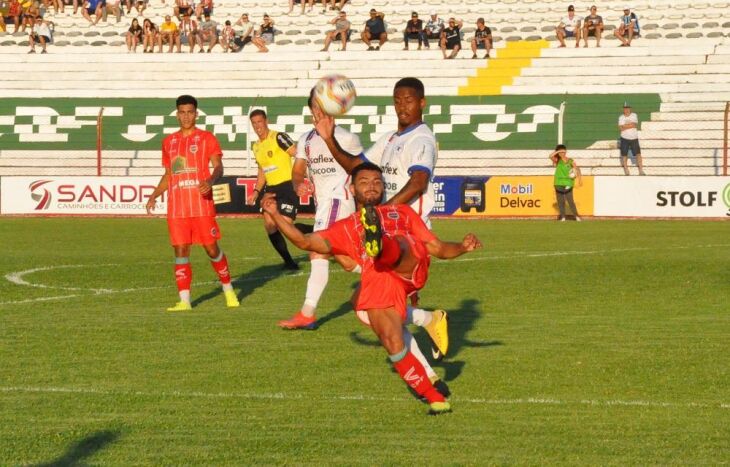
418, 316
184, 296
316, 284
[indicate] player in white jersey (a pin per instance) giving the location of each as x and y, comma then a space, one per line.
333, 200
407, 157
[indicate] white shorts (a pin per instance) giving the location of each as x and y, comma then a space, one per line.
330, 211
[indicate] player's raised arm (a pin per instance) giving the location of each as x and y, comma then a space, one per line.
161, 188
325, 126
309, 242
415, 186
449, 250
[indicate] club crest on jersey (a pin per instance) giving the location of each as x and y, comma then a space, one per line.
270, 153
393, 215
213, 232
193, 148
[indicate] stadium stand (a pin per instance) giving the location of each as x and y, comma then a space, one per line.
494, 117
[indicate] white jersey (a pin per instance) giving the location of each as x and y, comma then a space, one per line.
400, 154
329, 178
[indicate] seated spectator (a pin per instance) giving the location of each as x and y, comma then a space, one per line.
482, 39
204, 8
246, 31
451, 38
134, 36
303, 2
92, 8
433, 29
265, 34
189, 31
140, 6
14, 15
341, 31
168, 34
334, 4
149, 38
628, 28
113, 7
208, 33
592, 27
414, 30
569, 27
182, 7
227, 38
31, 11
40, 32
374, 29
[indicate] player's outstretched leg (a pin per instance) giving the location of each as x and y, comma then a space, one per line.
412, 345
220, 266
436, 324
373, 230
183, 279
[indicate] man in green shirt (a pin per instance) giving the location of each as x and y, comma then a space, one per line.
566, 174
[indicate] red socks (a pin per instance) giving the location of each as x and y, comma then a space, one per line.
183, 276
220, 265
413, 373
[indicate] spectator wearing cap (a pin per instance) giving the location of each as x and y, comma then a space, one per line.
40, 33
569, 26
340, 32
414, 30
482, 39
628, 123
451, 38
433, 29
374, 29
592, 27
265, 34
628, 28
246, 31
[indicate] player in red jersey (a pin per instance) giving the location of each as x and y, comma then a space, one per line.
187, 155
393, 246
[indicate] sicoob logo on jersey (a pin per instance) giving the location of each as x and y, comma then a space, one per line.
44, 198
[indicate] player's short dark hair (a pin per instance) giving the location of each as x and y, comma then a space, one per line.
186, 99
413, 83
364, 166
561, 147
255, 112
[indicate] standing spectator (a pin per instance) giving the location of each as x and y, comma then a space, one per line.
265, 35
228, 36
15, 13
92, 8
182, 7
40, 32
451, 38
628, 123
414, 30
208, 33
482, 39
566, 173
341, 31
170, 34
303, 2
374, 29
150, 36
592, 27
569, 27
204, 8
246, 31
134, 36
434, 28
189, 32
628, 28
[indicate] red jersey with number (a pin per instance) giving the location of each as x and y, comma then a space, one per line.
188, 158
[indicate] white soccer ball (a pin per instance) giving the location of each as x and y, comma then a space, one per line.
335, 94
572, 173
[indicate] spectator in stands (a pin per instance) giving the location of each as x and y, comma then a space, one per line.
31, 11
265, 34
628, 28
340, 32
628, 123
113, 7
208, 33
169, 34
303, 2
227, 38
567, 173
140, 6
189, 32
40, 32
451, 38
182, 7
374, 29
246, 31
334, 4
150, 36
15, 13
569, 27
414, 30
592, 27
134, 35
482, 39
433, 29
92, 8
204, 8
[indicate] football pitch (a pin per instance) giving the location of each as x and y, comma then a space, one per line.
601, 342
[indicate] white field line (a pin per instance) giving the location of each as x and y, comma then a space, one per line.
18, 277
357, 397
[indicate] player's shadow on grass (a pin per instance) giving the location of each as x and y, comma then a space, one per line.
82, 449
343, 309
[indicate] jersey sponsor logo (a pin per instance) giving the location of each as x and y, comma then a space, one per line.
187, 183
393, 215
270, 168
388, 170
179, 166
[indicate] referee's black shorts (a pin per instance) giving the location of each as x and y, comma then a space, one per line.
286, 199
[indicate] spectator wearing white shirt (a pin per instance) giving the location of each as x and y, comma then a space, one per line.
245, 31
433, 29
628, 123
40, 32
569, 26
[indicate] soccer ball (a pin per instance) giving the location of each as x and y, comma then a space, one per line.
335, 94
572, 173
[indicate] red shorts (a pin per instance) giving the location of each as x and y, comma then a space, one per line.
387, 289
189, 230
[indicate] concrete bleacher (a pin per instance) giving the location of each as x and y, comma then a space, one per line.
684, 56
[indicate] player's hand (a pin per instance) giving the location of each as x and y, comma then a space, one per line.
268, 203
305, 188
470, 242
204, 187
150, 205
251, 199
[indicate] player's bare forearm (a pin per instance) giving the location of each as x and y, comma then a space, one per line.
161, 187
310, 242
450, 250
206, 185
325, 126
415, 187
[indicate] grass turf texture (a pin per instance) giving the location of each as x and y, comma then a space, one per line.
595, 343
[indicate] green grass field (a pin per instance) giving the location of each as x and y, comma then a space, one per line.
600, 342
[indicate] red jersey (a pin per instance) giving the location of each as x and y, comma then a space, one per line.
345, 236
188, 158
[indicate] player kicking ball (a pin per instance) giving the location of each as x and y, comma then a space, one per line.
393, 246
187, 155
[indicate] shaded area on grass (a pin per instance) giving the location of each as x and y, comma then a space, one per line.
82, 449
